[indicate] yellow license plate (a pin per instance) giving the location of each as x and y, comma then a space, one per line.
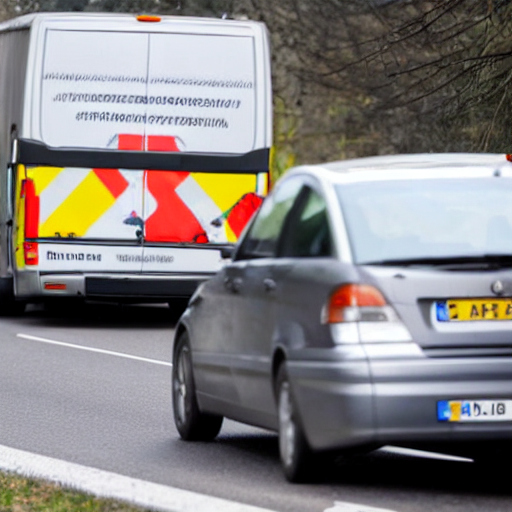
464, 310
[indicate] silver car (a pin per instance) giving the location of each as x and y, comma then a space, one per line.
368, 303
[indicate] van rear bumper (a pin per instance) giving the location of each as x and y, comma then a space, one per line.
36, 286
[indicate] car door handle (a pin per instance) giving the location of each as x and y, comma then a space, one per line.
233, 284
269, 284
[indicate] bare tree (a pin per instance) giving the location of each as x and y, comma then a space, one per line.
367, 76
450, 61
215, 8
358, 77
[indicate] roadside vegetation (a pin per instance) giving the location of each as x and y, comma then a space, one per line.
19, 494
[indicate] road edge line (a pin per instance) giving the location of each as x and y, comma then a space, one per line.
105, 484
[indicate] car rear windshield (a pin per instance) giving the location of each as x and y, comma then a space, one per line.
428, 218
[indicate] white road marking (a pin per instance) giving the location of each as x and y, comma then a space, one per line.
91, 349
112, 485
424, 454
341, 506
139, 492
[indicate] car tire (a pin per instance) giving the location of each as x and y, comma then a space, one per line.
191, 423
491, 455
296, 456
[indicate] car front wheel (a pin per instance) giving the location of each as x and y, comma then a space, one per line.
295, 453
192, 424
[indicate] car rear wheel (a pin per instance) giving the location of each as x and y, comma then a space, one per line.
296, 456
192, 424
490, 454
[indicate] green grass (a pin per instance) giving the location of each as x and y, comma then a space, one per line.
19, 494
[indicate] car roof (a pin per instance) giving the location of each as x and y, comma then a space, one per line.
411, 166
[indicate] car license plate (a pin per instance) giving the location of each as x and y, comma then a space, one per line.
474, 410
464, 310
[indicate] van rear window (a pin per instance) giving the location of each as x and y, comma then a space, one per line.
148, 91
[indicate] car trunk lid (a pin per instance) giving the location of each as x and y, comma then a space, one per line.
450, 312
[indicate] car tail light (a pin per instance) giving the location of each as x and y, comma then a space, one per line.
359, 313
31, 252
349, 301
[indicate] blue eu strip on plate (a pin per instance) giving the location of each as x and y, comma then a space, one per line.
442, 311
443, 410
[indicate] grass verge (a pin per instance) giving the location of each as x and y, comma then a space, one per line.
20, 494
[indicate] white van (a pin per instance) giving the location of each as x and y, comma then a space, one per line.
133, 149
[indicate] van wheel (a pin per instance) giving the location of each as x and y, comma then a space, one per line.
192, 424
296, 455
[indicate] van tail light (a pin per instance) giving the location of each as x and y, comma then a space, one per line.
31, 252
359, 313
31, 209
55, 286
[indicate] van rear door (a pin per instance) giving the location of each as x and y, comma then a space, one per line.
72, 210
182, 85
202, 98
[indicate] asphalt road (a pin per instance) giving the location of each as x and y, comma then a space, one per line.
91, 385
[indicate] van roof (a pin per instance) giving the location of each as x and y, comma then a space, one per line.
27, 20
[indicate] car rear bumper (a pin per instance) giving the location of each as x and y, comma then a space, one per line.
394, 401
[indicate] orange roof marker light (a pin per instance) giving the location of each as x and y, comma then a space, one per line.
149, 18
509, 157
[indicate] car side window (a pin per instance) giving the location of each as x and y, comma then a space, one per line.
307, 234
262, 236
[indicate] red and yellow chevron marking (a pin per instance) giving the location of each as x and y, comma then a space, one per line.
226, 190
113, 180
68, 202
19, 224
92, 196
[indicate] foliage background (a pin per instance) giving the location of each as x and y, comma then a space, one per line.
362, 77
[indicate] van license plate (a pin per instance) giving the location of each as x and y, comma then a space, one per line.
474, 410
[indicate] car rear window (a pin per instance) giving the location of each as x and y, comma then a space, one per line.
425, 218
